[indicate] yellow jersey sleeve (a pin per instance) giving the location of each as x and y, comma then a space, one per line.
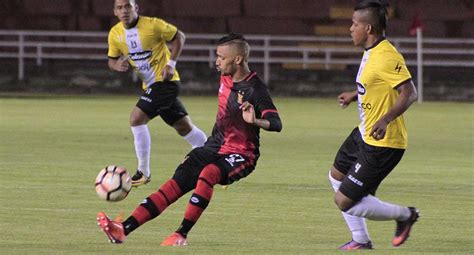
393, 70
165, 30
114, 50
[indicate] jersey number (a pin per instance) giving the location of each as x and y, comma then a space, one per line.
234, 158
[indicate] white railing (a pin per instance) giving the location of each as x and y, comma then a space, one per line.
266, 49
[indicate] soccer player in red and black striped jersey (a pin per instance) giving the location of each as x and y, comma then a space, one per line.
230, 153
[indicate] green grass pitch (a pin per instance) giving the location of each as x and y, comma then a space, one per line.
51, 149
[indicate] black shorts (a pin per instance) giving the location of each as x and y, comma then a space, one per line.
161, 98
233, 167
364, 165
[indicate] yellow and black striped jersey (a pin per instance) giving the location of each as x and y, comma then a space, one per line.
381, 70
145, 46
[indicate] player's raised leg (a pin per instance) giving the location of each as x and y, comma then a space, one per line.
113, 229
372, 208
191, 133
357, 225
402, 232
210, 176
150, 208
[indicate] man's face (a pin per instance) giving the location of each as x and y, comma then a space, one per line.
126, 11
359, 29
226, 60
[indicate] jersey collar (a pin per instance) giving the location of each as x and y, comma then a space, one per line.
375, 44
134, 24
248, 77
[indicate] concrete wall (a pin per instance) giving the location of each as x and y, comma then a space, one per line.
452, 84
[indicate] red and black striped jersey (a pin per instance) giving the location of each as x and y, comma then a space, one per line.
231, 134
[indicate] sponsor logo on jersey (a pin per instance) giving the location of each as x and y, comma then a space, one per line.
136, 56
240, 97
398, 68
147, 66
360, 89
132, 35
366, 106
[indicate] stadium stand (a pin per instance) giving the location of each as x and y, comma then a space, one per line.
47, 7
398, 27
441, 18
437, 10
199, 25
201, 8
272, 26
303, 9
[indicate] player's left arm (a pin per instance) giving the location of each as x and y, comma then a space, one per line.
177, 44
407, 95
269, 120
176, 47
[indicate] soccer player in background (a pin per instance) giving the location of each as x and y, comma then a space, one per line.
384, 92
229, 154
140, 42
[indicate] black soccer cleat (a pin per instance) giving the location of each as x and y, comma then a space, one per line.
403, 229
140, 179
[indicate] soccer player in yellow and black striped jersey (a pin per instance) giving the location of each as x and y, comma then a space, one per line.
384, 91
141, 42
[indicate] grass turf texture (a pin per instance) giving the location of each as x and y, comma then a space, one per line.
53, 147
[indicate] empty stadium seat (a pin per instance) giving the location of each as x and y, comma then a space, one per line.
88, 23
46, 23
8, 6
52, 7
345, 12
398, 27
103, 7
199, 25
201, 8
341, 12
332, 30
288, 8
152, 8
468, 29
436, 10
269, 26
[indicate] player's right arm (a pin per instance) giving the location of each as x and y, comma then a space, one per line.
345, 98
117, 61
119, 64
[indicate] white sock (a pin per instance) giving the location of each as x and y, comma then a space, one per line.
373, 208
196, 137
356, 225
142, 140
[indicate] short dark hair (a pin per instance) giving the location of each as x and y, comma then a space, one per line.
230, 37
238, 41
377, 10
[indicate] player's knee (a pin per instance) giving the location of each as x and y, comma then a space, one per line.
343, 203
138, 117
211, 173
185, 180
183, 126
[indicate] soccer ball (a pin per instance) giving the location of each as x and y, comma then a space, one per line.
113, 183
